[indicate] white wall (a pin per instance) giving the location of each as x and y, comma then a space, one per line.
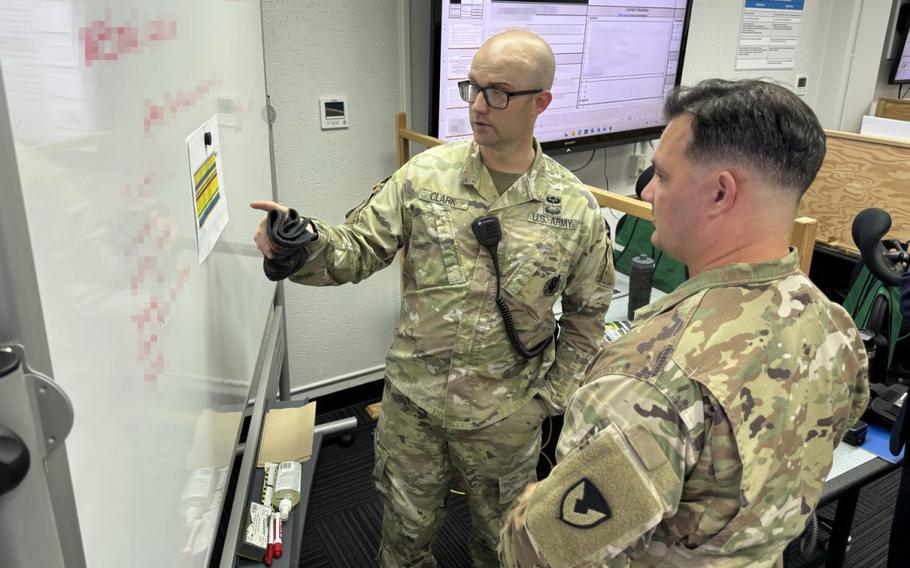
714, 35
324, 48
849, 94
840, 51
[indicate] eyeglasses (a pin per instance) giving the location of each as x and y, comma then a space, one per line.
495, 98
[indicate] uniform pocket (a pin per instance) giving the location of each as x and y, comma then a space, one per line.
381, 460
534, 285
433, 252
538, 278
448, 245
512, 484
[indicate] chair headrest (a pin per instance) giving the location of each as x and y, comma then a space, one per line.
644, 178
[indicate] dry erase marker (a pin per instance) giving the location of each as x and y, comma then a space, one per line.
187, 553
270, 548
276, 519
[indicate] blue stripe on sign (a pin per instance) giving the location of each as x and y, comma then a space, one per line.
209, 208
207, 173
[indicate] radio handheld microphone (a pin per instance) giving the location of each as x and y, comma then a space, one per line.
488, 233
641, 277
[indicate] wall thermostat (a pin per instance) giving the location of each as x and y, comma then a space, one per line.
800, 83
333, 112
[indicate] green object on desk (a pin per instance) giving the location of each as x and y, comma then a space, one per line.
634, 234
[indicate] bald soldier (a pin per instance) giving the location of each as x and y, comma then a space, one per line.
464, 396
704, 435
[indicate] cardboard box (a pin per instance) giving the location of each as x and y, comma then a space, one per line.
287, 435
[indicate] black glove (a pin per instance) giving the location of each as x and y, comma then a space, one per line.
289, 235
905, 294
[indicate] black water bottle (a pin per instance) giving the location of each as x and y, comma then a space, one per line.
641, 277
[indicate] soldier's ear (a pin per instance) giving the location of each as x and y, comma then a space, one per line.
725, 190
542, 100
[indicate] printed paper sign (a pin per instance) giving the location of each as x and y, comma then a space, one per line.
769, 34
210, 212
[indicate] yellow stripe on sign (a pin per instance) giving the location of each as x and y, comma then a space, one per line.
206, 187
205, 182
204, 174
207, 194
204, 169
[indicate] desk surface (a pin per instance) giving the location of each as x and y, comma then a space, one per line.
852, 467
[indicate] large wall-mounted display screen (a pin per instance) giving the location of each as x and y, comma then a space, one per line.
900, 73
616, 61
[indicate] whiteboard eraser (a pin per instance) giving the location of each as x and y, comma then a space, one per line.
255, 539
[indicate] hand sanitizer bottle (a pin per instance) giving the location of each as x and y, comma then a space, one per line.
287, 487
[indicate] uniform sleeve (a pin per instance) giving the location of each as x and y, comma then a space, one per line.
860, 386
585, 300
366, 242
622, 461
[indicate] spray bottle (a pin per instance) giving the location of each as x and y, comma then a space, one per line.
197, 494
287, 487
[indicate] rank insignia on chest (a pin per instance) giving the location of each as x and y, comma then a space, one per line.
584, 506
553, 221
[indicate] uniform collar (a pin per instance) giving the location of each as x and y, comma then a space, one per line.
473, 172
729, 275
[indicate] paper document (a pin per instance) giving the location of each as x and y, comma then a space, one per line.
207, 186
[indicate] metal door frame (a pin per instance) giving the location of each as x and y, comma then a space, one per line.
39, 525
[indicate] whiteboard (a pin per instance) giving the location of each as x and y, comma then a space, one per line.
143, 339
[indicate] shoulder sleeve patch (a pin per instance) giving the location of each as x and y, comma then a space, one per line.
596, 503
351, 216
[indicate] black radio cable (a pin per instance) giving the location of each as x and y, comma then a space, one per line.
488, 233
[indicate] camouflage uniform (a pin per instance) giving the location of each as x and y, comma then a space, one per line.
704, 435
450, 355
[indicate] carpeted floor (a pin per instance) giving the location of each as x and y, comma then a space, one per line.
343, 515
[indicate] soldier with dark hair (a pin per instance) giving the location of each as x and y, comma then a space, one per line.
461, 400
704, 435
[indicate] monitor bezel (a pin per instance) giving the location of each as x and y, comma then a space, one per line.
567, 145
904, 50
